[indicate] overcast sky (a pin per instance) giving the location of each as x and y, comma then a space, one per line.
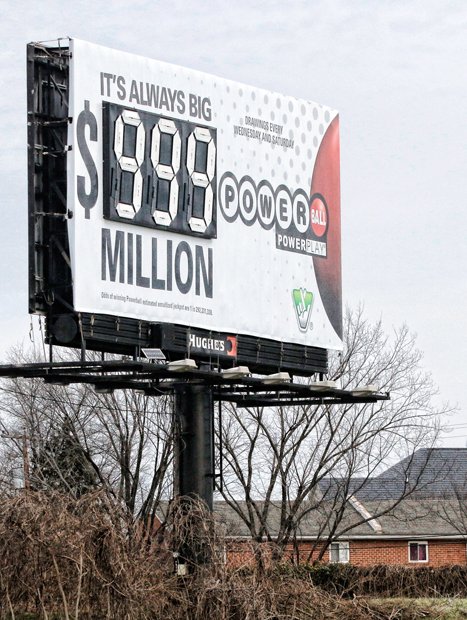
397, 73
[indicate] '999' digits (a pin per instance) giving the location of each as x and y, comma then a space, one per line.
159, 172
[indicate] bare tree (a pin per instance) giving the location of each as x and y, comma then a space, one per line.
279, 462
121, 441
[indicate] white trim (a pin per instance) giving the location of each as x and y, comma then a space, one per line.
441, 537
363, 512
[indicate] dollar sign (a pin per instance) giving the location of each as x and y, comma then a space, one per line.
87, 200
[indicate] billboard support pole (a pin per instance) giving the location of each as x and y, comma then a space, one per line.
194, 465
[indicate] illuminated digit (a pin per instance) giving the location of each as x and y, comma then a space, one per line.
130, 163
201, 178
166, 171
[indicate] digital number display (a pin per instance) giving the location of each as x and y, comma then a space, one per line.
159, 172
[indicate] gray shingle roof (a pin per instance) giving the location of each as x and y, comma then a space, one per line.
428, 473
435, 472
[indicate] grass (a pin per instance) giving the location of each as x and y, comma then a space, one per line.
412, 608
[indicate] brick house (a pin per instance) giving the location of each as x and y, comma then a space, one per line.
412, 514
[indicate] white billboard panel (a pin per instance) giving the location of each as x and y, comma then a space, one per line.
202, 202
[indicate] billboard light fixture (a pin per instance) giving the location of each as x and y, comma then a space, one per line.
57, 381
323, 386
365, 390
182, 365
277, 378
103, 389
237, 372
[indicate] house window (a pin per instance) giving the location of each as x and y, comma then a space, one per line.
418, 551
339, 552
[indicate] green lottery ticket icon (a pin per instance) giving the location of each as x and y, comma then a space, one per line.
303, 302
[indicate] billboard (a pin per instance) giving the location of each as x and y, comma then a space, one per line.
200, 201
171, 207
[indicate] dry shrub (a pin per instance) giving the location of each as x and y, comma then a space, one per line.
85, 558
241, 597
77, 557
385, 581
420, 581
